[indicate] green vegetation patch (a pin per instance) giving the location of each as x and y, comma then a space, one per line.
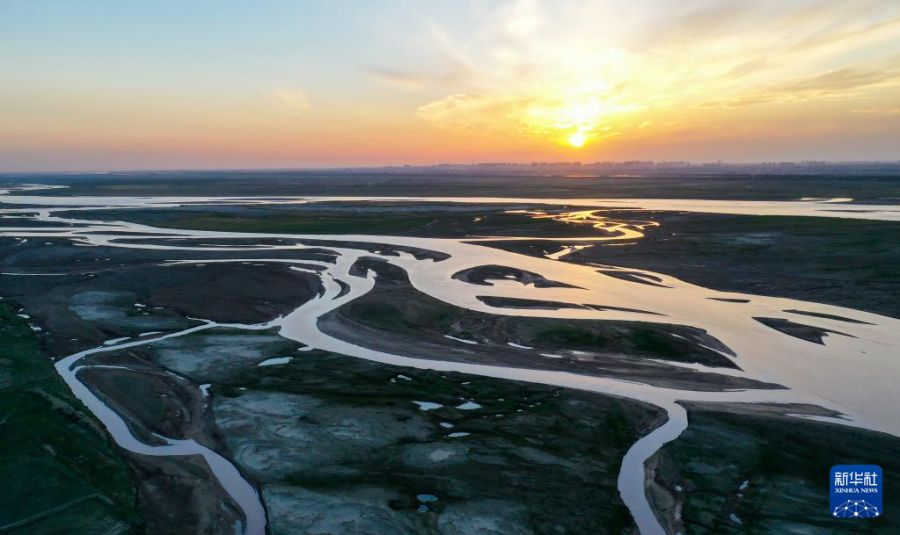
773, 476
55, 461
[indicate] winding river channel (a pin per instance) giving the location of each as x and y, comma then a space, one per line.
853, 373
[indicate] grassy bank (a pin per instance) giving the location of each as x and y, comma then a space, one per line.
58, 471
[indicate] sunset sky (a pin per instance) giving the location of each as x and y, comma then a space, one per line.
96, 85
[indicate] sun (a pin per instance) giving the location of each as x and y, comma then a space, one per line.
573, 118
577, 140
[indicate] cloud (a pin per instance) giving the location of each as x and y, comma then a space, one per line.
293, 98
701, 23
751, 67
520, 19
878, 111
414, 81
852, 32
810, 36
453, 56
471, 111
527, 67
841, 80
400, 79
838, 83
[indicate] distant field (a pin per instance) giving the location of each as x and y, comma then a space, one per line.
270, 183
431, 220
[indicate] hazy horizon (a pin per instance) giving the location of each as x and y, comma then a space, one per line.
662, 164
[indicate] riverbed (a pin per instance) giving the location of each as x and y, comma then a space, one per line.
851, 372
